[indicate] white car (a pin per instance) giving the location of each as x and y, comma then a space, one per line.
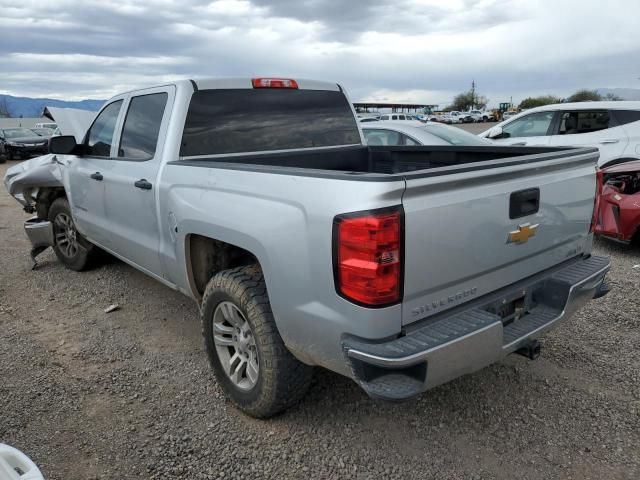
50, 125
479, 115
613, 127
393, 117
454, 117
403, 134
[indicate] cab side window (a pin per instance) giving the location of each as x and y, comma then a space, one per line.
100, 135
583, 121
534, 125
142, 126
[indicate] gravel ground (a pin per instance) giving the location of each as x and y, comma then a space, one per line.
476, 127
129, 394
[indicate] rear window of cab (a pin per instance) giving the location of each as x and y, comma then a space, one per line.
227, 121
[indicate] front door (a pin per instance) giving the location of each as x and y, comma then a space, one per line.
85, 174
130, 179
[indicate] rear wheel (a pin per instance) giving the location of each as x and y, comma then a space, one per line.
250, 361
71, 248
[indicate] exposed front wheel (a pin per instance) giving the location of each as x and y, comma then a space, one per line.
250, 361
71, 248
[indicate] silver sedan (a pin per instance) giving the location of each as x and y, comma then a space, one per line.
398, 134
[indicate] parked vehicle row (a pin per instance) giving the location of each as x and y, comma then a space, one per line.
306, 248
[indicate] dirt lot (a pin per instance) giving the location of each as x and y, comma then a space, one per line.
129, 394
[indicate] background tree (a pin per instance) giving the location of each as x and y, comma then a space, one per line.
532, 102
468, 100
585, 95
612, 97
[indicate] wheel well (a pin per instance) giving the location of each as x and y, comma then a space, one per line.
207, 256
44, 199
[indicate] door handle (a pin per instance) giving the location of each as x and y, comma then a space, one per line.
143, 184
97, 176
611, 140
519, 144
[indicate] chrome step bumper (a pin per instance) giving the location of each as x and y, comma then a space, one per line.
40, 233
463, 342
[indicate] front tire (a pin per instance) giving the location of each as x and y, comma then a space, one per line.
71, 248
248, 356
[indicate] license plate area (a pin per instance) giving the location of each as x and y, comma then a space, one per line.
512, 307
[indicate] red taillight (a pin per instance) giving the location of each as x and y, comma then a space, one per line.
274, 83
596, 201
368, 257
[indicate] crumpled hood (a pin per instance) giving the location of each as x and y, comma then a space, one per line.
71, 121
23, 180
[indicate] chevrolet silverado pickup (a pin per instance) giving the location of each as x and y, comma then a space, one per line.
401, 267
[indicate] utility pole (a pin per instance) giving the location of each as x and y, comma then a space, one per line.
473, 94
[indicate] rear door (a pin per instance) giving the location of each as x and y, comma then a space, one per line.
592, 128
532, 130
458, 228
130, 179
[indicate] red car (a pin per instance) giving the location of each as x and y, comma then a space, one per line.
618, 209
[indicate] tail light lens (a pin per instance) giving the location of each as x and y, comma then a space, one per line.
274, 83
596, 201
368, 256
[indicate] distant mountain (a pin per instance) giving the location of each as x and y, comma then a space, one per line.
32, 107
623, 93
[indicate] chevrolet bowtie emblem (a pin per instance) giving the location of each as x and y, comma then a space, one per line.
523, 234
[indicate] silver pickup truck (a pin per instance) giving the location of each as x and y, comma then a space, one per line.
399, 267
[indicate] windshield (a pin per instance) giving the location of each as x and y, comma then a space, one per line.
18, 133
254, 120
43, 132
454, 136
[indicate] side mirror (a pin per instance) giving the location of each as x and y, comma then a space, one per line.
63, 145
495, 132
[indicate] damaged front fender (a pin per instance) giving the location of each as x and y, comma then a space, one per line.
23, 181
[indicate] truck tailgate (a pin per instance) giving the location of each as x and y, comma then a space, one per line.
460, 242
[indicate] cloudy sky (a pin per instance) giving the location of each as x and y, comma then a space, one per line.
402, 50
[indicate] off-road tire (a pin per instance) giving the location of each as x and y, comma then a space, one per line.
282, 380
86, 251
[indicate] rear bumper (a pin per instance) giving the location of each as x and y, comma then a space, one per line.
472, 337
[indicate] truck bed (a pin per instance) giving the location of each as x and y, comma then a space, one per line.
385, 162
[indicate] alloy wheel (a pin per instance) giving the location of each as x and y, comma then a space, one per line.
235, 345
66, 235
